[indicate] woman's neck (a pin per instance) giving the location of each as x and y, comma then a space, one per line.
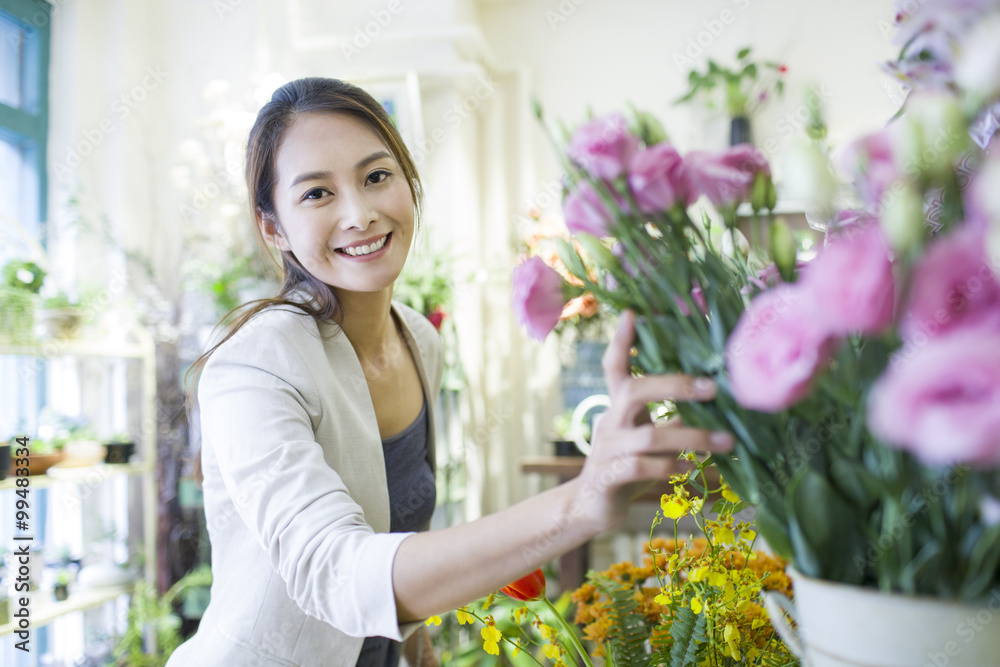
368, 322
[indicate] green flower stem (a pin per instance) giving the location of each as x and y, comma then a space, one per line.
573, 639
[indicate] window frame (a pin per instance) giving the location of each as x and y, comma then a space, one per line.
28, 128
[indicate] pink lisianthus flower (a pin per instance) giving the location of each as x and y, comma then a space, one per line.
873, 162
537, 297
775, 350
584, 211
603, 147
941, 401
698, 296
656, 178
851, 282
725, 178
953, 284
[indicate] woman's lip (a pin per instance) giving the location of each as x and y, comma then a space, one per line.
372, 255
368, 241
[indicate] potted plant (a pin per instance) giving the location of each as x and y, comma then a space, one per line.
5, 459
743, 90
61, 588
42, 455
119, 448
148, 609
562, 440
59, 317
19, 289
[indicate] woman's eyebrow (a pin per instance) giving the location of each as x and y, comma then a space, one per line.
309, 176
317, 175
377, 155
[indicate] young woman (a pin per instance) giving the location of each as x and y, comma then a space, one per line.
316, 414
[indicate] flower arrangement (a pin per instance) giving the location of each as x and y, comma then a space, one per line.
692, 602
862, 387
581, 315
743, 88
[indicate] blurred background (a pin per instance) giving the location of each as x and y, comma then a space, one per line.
125, 237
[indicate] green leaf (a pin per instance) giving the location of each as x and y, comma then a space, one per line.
743, 53
689, 639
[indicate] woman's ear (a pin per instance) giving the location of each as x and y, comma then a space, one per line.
269, 228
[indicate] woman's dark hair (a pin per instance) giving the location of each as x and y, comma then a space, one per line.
309, 95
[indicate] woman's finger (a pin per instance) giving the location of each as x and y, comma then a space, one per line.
670, 440
616, 357
631, 399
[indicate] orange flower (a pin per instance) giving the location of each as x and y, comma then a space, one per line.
530, 587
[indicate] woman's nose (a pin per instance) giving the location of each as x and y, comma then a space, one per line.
356, 210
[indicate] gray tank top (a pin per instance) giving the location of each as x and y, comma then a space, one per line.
412, 497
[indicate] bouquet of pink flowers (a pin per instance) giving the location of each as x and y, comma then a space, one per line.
863, 387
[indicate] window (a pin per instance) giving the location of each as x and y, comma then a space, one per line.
24, 83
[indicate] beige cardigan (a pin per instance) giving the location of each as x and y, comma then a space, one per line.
296, 497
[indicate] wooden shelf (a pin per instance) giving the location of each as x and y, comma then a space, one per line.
44, 607
85, 474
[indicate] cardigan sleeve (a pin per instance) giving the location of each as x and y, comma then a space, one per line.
255, 417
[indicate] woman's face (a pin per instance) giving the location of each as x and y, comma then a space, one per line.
345, 208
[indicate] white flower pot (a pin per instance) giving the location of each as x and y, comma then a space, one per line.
840, 625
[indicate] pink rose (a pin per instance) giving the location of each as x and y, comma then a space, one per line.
941, 401
603, 147
584, 211
952, 284
775, 350
655, 176
725, 178
537, 297
851, 282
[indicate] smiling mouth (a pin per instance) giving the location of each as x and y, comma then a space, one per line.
366, 249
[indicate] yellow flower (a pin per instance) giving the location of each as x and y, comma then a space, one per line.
731, 636
464, 617
698, 574
490, 638
674, 507
552, 651
723, 535
519, 614
717, 579
547, 631
517, 648
433, 620
696, 604
728, 494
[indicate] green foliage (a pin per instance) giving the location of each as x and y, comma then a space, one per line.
628, 635
23, 275
425, 284
689, 638
59, 300
147, 609
741, 87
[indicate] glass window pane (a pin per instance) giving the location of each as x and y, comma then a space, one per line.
18, 197
12, 43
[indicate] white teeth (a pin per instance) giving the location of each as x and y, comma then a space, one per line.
366, 249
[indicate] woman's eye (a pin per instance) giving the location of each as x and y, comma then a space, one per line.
378, 176
315, 193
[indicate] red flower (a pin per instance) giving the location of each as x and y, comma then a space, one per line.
437, 317
530, 587
782, 69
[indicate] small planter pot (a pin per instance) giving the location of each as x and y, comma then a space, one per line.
61, 591
119, 452
4, 460
60, 322
566, 448
739, 131
850, 626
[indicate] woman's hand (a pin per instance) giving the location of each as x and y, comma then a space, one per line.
629, 454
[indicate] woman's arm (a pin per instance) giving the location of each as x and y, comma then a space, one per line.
437, 571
